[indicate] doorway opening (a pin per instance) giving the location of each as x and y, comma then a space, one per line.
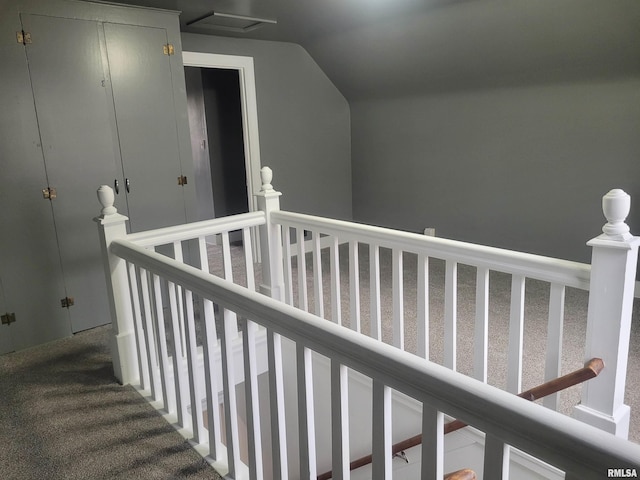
224, 132
217, 141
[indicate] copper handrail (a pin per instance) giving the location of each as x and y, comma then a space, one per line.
590, 370
465, 474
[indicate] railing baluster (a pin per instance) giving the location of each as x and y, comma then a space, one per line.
516, 335
317, 274
553, 362
374, 284
450, 314
382, 440
422, 311
339, 420
203, 254
228, 273
303, 302
197, 421
432, 443
336, 306
306, 422
254, 438
354, 286
226, 257
150, 338
288, 274
248, 258
177, 251
277, 406
178, 358
143, 357
398, 299
229, 331
209, 343
496, 458
169, 400
481, 333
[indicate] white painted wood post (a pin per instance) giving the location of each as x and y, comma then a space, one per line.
111, 226
613, 268
270, 239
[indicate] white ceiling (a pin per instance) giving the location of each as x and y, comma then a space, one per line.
375, 48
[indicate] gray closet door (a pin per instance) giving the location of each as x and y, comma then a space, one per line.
29, 260
72, 100
142, 92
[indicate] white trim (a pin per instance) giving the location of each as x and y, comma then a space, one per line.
248, 101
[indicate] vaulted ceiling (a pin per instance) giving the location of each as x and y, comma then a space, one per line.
378, 48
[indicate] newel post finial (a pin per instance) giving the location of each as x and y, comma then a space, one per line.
106, 197
266, 175
616, 206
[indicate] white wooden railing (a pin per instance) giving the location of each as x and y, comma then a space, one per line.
149, 291
609, 313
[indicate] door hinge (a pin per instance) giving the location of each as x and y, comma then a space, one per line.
66, 302
168, 49
8, 318
49, 193
23, 37
182, 180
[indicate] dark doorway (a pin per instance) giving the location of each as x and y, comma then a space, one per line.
217, 138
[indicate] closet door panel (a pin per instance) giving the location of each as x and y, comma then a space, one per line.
29, 259
72, 101
146, 119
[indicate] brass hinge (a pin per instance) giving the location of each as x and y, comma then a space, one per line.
49, 193
168, 49
182, 180
23, 37
8, 318
66, 302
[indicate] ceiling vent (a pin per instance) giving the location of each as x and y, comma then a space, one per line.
230, 22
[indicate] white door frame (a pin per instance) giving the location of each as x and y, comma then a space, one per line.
248, 103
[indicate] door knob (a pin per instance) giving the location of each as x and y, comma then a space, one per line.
126, 184
116, 186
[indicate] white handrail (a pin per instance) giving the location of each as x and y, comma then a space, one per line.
580, 450
565, 272
204, 228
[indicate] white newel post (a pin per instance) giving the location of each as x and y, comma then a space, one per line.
270, 239
613, 270
111, 226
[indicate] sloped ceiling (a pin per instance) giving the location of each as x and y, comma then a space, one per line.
380, 48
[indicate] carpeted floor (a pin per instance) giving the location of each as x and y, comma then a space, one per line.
64, 416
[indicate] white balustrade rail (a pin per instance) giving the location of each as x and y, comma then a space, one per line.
612, 304
559, 273
196, 361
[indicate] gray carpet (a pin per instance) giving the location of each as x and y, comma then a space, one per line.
63, 416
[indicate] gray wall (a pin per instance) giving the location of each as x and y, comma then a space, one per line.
522, 168
304, 123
